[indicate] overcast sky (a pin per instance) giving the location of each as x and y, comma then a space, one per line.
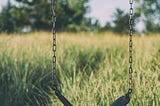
104, 9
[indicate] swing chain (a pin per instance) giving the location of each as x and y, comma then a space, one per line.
130, 46
54, 40
54, 77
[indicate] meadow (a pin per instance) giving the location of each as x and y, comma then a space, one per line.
92, 69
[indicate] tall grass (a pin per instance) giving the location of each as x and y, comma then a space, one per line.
93, 70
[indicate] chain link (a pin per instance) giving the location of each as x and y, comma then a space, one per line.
130, 46
54, 40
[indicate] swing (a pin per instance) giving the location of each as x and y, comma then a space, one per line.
121, 101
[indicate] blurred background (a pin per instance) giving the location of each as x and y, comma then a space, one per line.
91, 70
79, 15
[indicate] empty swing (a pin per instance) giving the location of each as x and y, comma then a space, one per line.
121, 101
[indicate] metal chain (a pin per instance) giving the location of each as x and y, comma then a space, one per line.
54, 40
130, 46
54, 77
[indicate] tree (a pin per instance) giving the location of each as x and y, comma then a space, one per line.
36, 14
150, 11
6, 20
120, 22
33, 13
70, 15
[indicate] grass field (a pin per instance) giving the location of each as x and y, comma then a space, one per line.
92, 69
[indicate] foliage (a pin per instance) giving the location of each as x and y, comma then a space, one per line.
6, 20
33, 15
92, 69
120, 22
36, 15
70, 15
150, 11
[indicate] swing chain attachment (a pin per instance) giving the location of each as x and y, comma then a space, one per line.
131, 20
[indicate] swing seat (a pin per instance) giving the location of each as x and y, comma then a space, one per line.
61, 97
121, 101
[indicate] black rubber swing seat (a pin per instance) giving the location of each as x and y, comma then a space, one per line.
121, 101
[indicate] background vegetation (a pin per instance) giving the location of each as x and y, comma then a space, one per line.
93, 69
33, 15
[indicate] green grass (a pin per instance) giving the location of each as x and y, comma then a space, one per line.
93, 70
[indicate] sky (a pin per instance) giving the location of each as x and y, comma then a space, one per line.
103, 9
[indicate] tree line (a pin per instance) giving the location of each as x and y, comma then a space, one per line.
34, 15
